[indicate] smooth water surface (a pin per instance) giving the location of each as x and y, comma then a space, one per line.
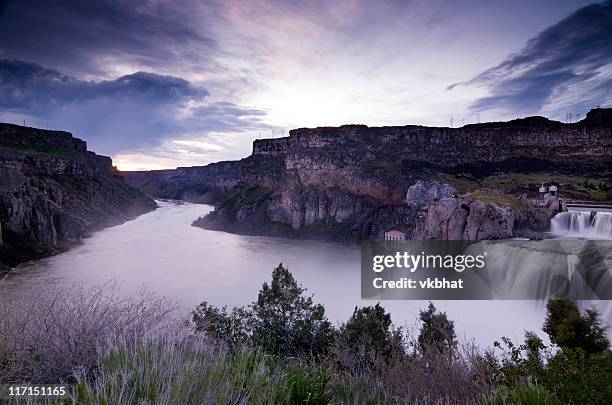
162, 252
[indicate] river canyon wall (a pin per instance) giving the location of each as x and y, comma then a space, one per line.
53, 192
355, 182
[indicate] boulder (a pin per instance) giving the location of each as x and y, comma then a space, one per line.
424, 192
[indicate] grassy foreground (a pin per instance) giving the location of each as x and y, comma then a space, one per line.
282, 350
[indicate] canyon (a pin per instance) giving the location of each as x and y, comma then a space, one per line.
54, 192
354, 182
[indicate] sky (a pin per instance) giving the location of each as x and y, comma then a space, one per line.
165, 83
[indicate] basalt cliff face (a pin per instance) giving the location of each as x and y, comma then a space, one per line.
53, 192
354, 182
198, 184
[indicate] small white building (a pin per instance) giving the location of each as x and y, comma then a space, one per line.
542, 191
552, 191
395, 235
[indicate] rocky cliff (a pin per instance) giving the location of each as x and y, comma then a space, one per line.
354, 182
53, 192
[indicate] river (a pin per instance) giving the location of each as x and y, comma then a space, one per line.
162, 252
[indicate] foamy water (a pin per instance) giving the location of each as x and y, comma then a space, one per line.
582, 224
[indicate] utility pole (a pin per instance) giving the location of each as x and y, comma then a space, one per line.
451, 121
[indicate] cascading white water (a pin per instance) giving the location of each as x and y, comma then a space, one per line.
539, 269
582, 224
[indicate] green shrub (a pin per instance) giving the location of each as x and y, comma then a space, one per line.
369, 328
569, 329
282, 321
232, 328
437, 331
580, 378
577, 369
521, 363
287, 322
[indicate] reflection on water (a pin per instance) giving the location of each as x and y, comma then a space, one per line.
164, 253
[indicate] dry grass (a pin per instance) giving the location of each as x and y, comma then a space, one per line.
496, 197
48, 333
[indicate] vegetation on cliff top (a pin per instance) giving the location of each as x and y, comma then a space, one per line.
496, 197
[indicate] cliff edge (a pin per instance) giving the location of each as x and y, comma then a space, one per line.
54, 192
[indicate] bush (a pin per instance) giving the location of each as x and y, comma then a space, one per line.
286, 321
407, 369
576, 376
431, 376
437, 331
578, 369
569, 329
521, 364
282, 321
233, 329
369, 329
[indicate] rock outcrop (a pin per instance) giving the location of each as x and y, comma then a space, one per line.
422, 193
464, 219
53, 192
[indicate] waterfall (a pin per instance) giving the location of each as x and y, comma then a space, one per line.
596, 225
581, 269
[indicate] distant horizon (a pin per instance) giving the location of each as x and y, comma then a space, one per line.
581, 118
165, 84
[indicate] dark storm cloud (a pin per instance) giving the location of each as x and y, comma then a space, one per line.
133, 111
32, 89
79, 37
569, 55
